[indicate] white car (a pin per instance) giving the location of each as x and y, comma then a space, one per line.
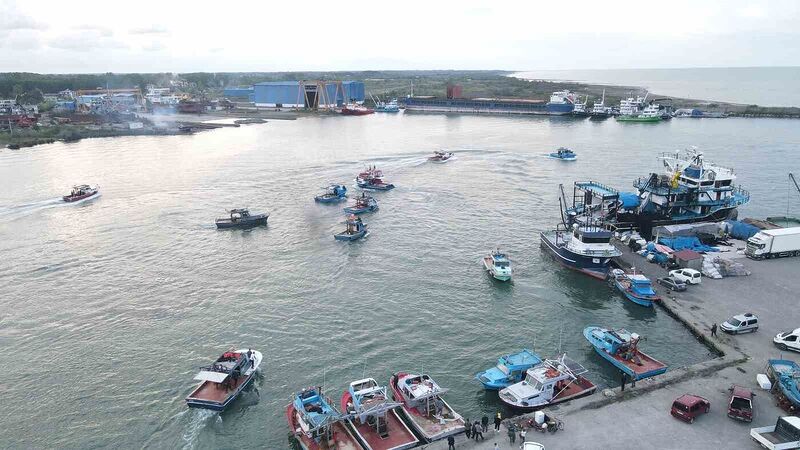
688, 276
740, 323
532, 446
788, 340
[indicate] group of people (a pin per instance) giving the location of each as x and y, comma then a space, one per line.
475, 430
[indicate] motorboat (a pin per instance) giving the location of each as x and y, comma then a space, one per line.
317, 425
333, 194
372, 179
423, 405
587, 249
498, 265
390, 107
440, 157
364, 204
356, 229
510, 369
552, 382
621, 348
81, 192
373, 417
241, 218
224, 379
355, 109
635, 287
564, 154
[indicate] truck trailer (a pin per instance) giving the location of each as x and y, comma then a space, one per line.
775, 243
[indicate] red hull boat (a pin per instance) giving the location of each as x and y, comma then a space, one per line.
374, 417
356, 110
423, 406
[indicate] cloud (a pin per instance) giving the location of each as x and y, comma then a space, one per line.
23, 40
86, 40
99, 29
153, 46
14, 20
152, 29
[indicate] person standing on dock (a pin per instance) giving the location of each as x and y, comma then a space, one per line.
451, 442
512, 433
497, 421
476, 431
714, 329
623, 381
485, 423
468, 428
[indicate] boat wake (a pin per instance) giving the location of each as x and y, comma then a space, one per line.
196, 421
9, 213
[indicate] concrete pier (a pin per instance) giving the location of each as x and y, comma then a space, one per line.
639, 418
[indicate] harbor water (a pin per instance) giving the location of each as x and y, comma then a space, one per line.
108, 307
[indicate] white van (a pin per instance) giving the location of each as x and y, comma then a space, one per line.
688, 276
788, 340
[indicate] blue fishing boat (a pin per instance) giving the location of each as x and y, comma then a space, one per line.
635, 287
364, 204
356, 229
786, 374
621, 348
510, 369
564, 154
316, 424
334, 193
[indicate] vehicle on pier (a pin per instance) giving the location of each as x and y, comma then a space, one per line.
374, 418
740, 323
621, 348
81, 192
334, 193
788, 340
564, 154
552, 382
776, 243
635, 287
223, 381
316, 424
356, 229
688, 407
440, 157
510, 369
784, 435
498, 265
364, 204
423, 405
740, 404
241, 218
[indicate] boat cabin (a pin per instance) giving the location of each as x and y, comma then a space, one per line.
510, 368
422, 393
239, 214
618, 342
227, 369
314, 410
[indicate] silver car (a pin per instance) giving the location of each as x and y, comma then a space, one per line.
740, 323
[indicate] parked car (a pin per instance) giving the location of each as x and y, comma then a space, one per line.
688, 276
532, 446
788, 340
784, 435
687, 407
740, 406
672, 283
740, 323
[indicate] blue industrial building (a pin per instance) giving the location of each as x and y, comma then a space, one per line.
308, 94
239, 92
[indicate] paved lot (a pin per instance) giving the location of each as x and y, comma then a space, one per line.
771, 292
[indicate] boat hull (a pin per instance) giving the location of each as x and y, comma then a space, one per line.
356, 112
582, 388
253, 221
375, 187
635, 119
596, 267
414, 418
630, 295
350, 237
77, 198
354, 210
322, 199
558, 109
651, 368
562, 158
399, 435
343, 439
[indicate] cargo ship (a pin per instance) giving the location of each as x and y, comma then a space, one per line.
561, 103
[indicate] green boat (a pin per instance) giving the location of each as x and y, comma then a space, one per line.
649, 114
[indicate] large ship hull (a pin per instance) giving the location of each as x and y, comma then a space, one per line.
596, 267
487, 106
645, 223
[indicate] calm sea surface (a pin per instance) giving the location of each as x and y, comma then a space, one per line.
765, 86
108, 307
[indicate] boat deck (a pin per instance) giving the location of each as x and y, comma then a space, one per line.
647, 366
342, 438
433, 428
216, 392
399, 436
578, 388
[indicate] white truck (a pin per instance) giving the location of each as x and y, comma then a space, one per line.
784, 435
774, 243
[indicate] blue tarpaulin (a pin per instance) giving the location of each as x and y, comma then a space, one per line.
686, 242
741, 230
629, 199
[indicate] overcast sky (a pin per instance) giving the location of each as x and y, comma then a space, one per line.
180, 36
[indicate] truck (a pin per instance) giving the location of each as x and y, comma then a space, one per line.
784, 435
774, 243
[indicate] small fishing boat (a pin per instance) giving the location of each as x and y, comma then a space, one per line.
785, 374
374, 419
356, 229
498, 265
554, 381
635, 287
579, 109
81, 192
241, 218
564, 154
510, 369
440, 157
364, 204
390, 107
225, 379
621, 348
372, 179
333, 194
600, 111
587, 249
316, 424
423, 405
355, 109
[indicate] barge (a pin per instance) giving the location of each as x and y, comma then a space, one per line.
561, 103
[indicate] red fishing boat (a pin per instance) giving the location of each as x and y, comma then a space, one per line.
356, 110
424, 407
374, 418
316, 424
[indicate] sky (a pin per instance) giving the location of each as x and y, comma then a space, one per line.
88, 36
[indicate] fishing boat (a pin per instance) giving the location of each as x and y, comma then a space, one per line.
225, 379
356, 229
510, 369
631, 106
390, 107
81, 192
423, 405
585, 248
635, 287
440, 157
649, 114
241, 218
355, 109
599, 110
689, 190
316, 424
550, 383
334, 193
373, 417
372, 179
579, 109
498, 265
621, 348
564, 154
776, 368
364, 204
787, 383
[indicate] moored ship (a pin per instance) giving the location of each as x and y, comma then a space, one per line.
561, 103
316, 424
621, 349
373, 417
424, 407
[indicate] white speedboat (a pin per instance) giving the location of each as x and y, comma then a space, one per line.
498, 265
